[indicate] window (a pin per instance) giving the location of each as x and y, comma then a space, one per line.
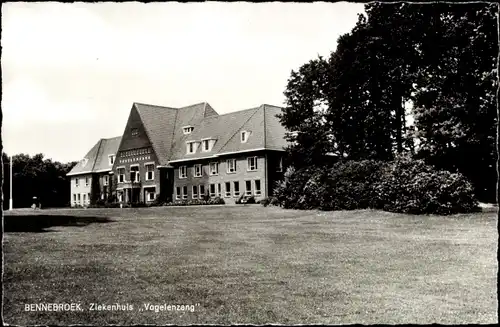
135, 132
206, 145
252, 163
231, 166
219, 190
279, 168
84, 198
195, 192
150, 172
150, 196
248, 187
121, 175
212, 190
191, 147
257, 187
197, 170
182, 172
88, 198
135, 176
228, 189
86, 181
244, 136
77, 182
202, 191
111, 159
105, 180
214, 168
74, 198
177, 193
187, 129
184, 192
236, 189
78, 197
84, 162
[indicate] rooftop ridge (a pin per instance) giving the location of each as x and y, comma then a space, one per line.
97, 154
112, 138
233, 112
172, 144
154, 105
192, 105
236, 132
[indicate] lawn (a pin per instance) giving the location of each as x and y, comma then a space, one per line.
252, 265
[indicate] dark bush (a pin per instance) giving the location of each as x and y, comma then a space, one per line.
404, 185
290, 190
270, 201
210, 201
250, 199
244, 199
157, 202
216, 200
240, 199
347, 185
410, 186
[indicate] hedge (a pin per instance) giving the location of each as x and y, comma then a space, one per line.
403, 185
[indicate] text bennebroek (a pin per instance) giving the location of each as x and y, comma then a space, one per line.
53, 307
169, 307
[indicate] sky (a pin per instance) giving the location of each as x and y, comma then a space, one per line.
71, 72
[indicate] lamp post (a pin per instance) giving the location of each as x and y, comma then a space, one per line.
10, 199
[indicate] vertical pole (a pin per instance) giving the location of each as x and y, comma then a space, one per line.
10, 199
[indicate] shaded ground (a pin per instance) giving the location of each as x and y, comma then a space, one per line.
38, 223
253, 265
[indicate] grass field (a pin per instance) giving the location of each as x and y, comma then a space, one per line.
251, 265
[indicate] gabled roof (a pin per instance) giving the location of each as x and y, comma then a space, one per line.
96, 159
159, 123
164, 128
108, 147
266, 133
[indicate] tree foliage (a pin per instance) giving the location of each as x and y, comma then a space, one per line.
36, 176
440, 58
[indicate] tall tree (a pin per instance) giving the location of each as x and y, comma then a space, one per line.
36, 176
304, 114
455, 107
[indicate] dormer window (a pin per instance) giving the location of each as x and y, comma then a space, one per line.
135, 132
84, 161
187, 129
244, 136
191, 147
111, 159
207, 144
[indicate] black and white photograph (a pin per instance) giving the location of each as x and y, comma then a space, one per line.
226, 163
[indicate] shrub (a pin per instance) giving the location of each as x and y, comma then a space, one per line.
250, 199
349, 185
216, 200
290, 190
244, 199
210, 201
270, 201
157, 202
410, 186
404, 185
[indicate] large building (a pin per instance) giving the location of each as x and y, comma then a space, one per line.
90, 177
185, 153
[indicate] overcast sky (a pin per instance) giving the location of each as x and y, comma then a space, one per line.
72, 71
